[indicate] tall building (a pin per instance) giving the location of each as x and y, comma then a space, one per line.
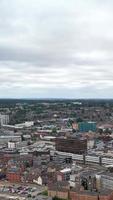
71, 145
4, 119
87, 126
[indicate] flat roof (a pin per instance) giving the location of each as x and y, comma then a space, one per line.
66, 170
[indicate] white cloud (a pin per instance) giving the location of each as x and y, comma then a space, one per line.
56, 48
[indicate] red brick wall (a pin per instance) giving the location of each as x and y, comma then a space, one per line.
13, 177
73, 195
87, 197
59, 194
62, 195
108, 197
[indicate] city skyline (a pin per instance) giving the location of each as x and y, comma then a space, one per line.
56, 49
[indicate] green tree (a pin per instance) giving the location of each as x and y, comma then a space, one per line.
54, 130
45, 193
79, 120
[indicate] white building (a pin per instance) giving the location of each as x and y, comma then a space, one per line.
90, 144
64, 175
12, 145
4, 119
74, 180
8, 138
26, 124
38, 181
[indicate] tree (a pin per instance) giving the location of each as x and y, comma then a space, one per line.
45, 193
54, 130
79, 120
27, 165
70, 122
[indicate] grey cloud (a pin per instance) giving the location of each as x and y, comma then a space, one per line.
56, 47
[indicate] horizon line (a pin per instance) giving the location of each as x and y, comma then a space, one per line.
54, 98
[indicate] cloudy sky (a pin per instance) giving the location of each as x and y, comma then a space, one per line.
56, 48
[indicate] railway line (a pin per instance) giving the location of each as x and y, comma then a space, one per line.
86, 158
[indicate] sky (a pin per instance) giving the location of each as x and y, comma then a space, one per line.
56, 49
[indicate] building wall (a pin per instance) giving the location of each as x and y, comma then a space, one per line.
108, 197
87, 126
62, 195
73, 195
51, 193
107, 182
71, 145
11, 145
13, 177
59, 194
87, 197
39, 180
60, 176
8, 138
4, 119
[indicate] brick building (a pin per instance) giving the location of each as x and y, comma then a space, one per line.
64, 175
13, 176
79, 194
71, 145
60, 193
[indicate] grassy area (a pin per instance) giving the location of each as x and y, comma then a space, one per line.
45, 193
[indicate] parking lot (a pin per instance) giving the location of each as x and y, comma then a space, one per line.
21, 190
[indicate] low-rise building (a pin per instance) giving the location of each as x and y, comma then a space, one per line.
64, 175
8, 138
58, 192
106, 179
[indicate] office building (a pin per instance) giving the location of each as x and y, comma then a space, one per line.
87, 126
4, 119
71, 145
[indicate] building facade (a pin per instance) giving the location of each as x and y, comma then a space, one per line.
4, 119
71, 145
87, 126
